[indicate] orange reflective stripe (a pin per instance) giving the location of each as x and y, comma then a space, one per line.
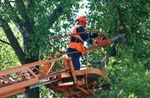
74, 45
77, 46
76, 36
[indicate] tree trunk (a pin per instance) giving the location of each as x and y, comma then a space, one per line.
26, 27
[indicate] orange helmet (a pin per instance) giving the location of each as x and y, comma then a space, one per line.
82, 18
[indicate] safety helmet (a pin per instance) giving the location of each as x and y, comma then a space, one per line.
82, 18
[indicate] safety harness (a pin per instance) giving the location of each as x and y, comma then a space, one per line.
76, 41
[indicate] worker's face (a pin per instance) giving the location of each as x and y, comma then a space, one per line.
81, 23
84, 24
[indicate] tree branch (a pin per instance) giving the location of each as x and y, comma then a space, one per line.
17, 21
4, 42
122, 25
55, 15
58, 12
23, 12
13, 41
146, 38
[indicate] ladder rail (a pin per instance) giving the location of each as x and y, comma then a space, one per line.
19, 79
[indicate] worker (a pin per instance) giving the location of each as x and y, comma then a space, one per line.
79, 36
77, 39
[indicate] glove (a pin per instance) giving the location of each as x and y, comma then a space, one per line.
94, 44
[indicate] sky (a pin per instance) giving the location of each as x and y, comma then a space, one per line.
84, 10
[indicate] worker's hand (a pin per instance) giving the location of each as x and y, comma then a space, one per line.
85, 53
94, 44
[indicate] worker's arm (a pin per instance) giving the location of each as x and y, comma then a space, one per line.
85, 36
93, 35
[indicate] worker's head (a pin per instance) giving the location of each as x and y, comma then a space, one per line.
81, 20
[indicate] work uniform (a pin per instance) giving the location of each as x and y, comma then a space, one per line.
75, 47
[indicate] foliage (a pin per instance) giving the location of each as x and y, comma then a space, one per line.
128, 71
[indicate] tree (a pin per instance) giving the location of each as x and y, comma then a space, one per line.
37, 20
129, 66
33, 27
